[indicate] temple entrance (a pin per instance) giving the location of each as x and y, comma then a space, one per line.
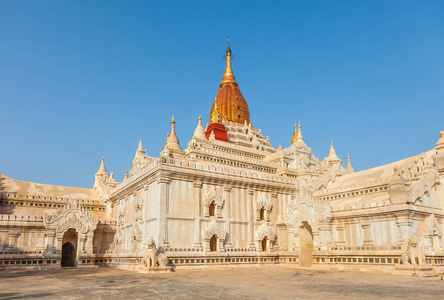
69, 248
213, 243
305, 245
68, 255
264, 244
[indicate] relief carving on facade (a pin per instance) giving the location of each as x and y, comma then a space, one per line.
216, 196
263, 203
432, 233
214, 229
413, 184
315, 212
71, 216
264, 232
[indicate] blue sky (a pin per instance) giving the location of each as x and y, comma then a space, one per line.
84, 79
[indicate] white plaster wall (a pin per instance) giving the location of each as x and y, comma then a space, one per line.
180, 233
239, 234
181, 199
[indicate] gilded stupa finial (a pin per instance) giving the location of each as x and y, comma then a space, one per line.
215, 117
228, 52
172, 119
295, 133
229, 75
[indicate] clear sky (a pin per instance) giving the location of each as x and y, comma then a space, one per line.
84, 79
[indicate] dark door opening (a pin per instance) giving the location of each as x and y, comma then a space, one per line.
68, 255
264, 244
213, 243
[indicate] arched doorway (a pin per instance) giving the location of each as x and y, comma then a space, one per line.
264, 244
213, 243
68, 255
69, 248
305, 245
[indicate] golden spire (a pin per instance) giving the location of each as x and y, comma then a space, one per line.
295, 134
172, 119
229, 75
215, 116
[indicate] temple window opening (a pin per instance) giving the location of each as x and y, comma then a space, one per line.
212, 209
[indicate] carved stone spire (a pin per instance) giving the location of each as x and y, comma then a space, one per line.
332, 157
101, 177
332, 153
172, 141
299, 138
199, 132
140, 147
349, 166
140, 159
111, 181
102, 169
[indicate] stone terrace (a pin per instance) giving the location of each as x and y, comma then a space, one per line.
238, 283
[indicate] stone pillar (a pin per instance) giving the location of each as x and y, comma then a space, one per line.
315, 240
368, 238
341, 235
259, 246
12, 239
227, 197
4, 245
98, 242
197, 213
220, 246
163, 186
59, 243
324, 235
273, 200
296, 240
404, 224
81, 243
89, 243
110, 209
250, 194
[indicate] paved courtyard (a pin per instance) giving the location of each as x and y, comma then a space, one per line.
238, 283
